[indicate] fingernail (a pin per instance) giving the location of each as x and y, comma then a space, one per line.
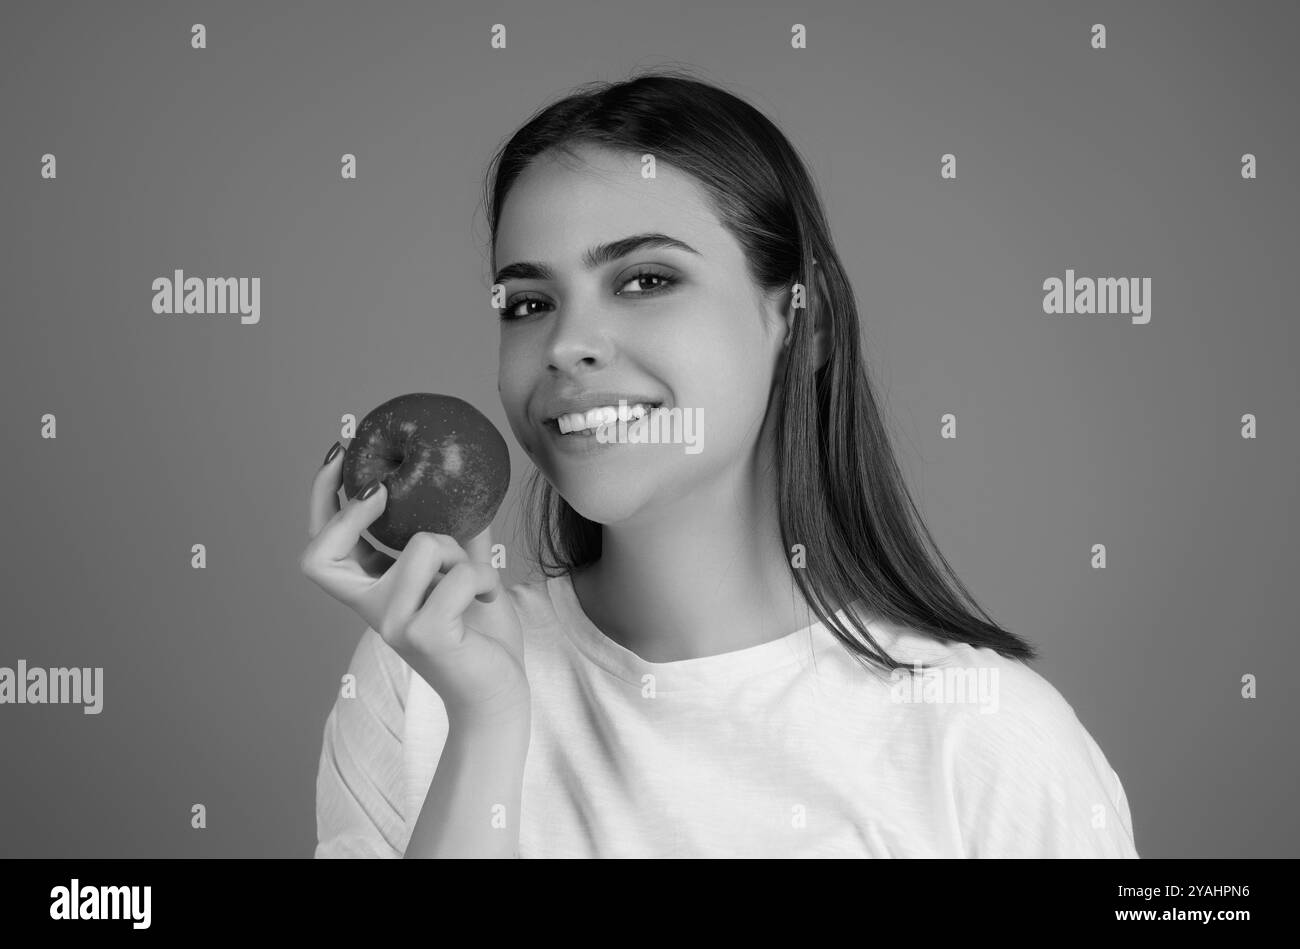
369, 489
330, 457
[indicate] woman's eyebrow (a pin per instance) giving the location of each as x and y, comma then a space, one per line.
594, 257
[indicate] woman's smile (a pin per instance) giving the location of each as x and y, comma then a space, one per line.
601, 436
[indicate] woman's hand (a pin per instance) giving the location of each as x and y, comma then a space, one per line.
443, 609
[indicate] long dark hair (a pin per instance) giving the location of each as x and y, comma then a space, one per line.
840, 491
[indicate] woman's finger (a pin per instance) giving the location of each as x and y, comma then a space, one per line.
449, 600
340, 535
480, 551
325, 493
325, 507
480, 548
416, 570
375, 563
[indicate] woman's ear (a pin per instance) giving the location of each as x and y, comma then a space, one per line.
815, 310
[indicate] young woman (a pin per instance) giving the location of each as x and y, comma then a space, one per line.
744, 643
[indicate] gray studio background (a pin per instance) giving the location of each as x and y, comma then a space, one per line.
1072, 430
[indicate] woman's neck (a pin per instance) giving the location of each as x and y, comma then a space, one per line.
701, 575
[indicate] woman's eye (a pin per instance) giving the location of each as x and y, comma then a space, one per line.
507, 312
664, 281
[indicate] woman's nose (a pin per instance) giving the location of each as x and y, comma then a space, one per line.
579, 337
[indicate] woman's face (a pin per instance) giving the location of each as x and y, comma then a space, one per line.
688, 329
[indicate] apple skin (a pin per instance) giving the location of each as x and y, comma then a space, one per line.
444, 464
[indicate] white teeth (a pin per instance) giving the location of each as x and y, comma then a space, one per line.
604, 415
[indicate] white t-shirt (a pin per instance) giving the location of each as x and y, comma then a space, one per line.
785, 749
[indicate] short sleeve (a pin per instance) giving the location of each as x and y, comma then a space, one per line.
1030, 782
359, 782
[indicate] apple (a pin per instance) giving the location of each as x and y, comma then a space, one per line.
445, 467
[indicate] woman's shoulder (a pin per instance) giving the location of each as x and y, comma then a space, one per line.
1028, 777
968, 678
993, 707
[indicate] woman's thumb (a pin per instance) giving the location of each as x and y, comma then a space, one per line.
480, 548
480, 551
